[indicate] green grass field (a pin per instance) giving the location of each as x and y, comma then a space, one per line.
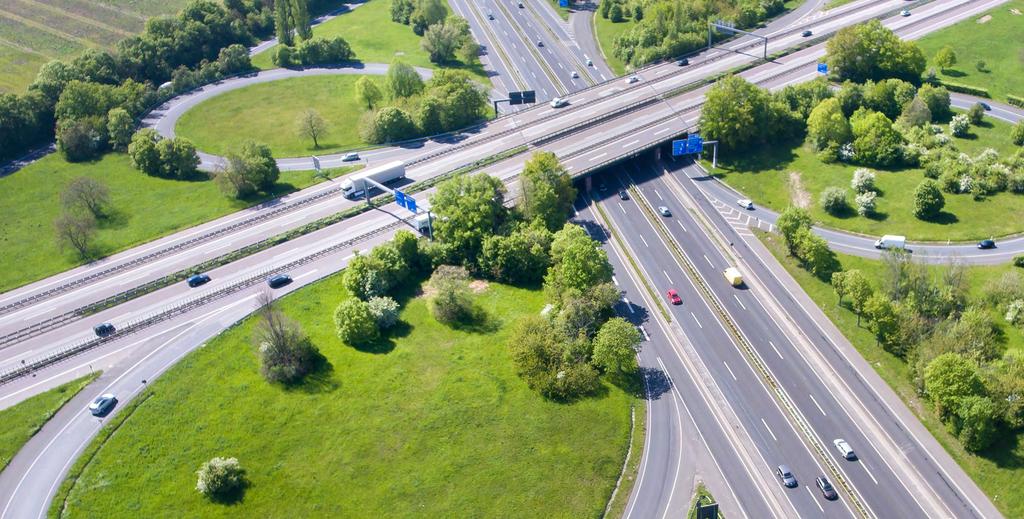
765, 175
24, 419
270, 111
437, 424
374, 38
606, 32
999, 469
144, 208
998, 42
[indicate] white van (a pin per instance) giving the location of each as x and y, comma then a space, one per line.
890, 241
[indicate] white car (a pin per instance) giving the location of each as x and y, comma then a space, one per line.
559, 102
664, 211
349, 157
590, 62
844, 448
745, 203
575, 74
102, 404
632, 79
905, 12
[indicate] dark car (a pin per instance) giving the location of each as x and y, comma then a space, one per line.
806, 34
197, 280
279, 280
623, 195
986, 244
490, 16
102, 404
673, 297
985, 106
602, 187
826, 488
683, 62
103, 330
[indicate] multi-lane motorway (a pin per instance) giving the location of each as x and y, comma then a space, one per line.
747, 421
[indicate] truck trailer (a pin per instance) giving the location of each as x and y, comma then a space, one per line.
355, 185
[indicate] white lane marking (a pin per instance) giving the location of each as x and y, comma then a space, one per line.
630, 143
603, 78
738, 301
776, 350
866, 469
730, 370
681, 225
667, 277
623, 208
696, 321
707, 260
560, 66
643, 331
307, 274
814, 498
643, 240
659, 195
816, 404
663, 130
769, 429
595, 157
614, 279
629, 306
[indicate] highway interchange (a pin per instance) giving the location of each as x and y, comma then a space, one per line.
744, 423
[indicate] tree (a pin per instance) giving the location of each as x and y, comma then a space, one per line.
871, 51
402, 80
521, 257
311, 126
616, 346
937, 99
915, 113
615, 13
581, 312
220, 477
450, 301
735, 112
430, 116
948, 379
859, 289
959, 125
323, 51
427, 13
875, 140
945, 58
441, 40
833, 200
863, 180
394, 124
577, 263
838, 282
469, 208
178, 157
86, 194
249, 169
866, 203
548, 365
384, 311
928, 199
80, 140
790, 222
120, 126
884, 321
234, 59
401, 11
354, 323
143, 152
367, 92
976, 114
1017, 133
815, 255
547, 190
827, 127
462, 100
286, 353
76, 229
364, 277
975, 423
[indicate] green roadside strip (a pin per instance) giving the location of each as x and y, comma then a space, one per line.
701, 496
637, 435
59, 502
632, 262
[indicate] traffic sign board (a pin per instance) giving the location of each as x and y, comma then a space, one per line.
529, 96
695, 144
316, 164
823, 68
678, 148
400, 198
410, 204
515, 98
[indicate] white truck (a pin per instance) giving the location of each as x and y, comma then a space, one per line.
355, 185
890, 241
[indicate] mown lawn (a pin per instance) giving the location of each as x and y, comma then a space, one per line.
764, 176
435, 423
374, 38
998, 42
270, 111
19, 68
998, 470
606, 32
24, 419
144, 208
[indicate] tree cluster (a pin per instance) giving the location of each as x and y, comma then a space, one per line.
667, 28
449, 101
318, 51
871, 51
794, 224
159, 157
444, 36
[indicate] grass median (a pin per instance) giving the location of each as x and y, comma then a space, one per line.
435, 423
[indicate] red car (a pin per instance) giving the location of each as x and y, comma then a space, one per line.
673, 297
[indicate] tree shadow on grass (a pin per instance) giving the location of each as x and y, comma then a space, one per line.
952, 72
762, 159
632, 383
843, 213
386, 343
235, 496
477, 321
1004, 452
877, 216
320, 379
943, 218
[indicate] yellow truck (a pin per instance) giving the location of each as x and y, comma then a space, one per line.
734, 276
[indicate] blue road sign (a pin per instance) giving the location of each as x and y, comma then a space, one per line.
410, 204
823, 68
563, 3
695, 144
400, 198
678, 148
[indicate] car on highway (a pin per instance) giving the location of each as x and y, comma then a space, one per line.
623, 195
590, 63
806, 33
521, 5
683, 62
786, 476
826, 488
279, 280
905, 12
103, 329
985, 106
664, 211
102, 404
575, 74
844, 448
745, 203
198, 280
559, 102
632, 79
349, 157
987, 244
673, 297
540, 43
490, 16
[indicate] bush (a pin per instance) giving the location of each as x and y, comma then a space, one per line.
928, 199
286, 353
1015, 100
1018, 261
1017, 134
959, 125
384, 311
863, 180
323, 51
866, 203
833, 200
81, 140
450, 302
220, 477
976, 114
283, 56
615, 13
354, 323
966, 89
1015, 312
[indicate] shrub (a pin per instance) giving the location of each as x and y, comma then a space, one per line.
451, 302
981, 65
286, 353
1018, 261
384, 311
866, 203
863, 180
220, 477
959, 125
82, 139
966, 89
1015, 100
283, 56
928, 199
354, 323
833, 200
976, 114
1015, 312
1017, 134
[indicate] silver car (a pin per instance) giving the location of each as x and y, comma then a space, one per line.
102, 404
664, 211
786, 476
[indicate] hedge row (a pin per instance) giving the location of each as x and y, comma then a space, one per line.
965, 89
1015, 100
